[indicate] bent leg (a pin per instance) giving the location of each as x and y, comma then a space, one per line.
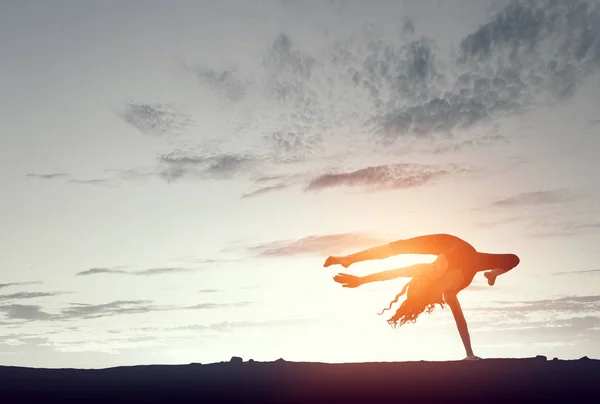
432, 244
496, 265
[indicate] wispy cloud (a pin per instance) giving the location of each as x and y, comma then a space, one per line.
166, 270
536, 198
104, 182
227, 326
539, 225
316, 244
472, 144
49, 176
108, 309
143, 272
68, 178
208, 306
28, 295
567, 304
115, 308
586, 272
96, 271
265, 190
577, 329
395, 176
155, 119
561, 227
6, 285
209, 291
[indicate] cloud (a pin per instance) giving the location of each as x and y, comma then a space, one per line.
95, 271
53, 176
393, 176
207, 306
28, 295
94, 181
289, 69
225, 83
133, 173
527, 53
535, 198
24, 312
539, 225
316, 244
560, 227
482, 141
209, 291
155, 119
47, 176
275, 183
568, 304
228, 326
162, 271
180, 164
6, 285
549, 46
547, 213
265, 190
108, 309
143, 272
586, 272
577, 330
522, 26
291, 147
363, 90
115, 308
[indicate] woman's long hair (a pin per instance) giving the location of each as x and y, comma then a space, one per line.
422, 296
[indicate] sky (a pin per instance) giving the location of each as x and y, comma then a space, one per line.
175, 173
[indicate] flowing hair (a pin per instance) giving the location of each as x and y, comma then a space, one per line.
421, 296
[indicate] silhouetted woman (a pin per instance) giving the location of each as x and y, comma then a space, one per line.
434, 283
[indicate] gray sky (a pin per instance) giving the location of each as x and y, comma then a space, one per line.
175, 174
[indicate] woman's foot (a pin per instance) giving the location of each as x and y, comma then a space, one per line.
343, 261
491, 277
472, 358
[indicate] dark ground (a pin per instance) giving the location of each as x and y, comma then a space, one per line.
487, 381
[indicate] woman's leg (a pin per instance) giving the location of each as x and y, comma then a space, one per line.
432, 244
496, 264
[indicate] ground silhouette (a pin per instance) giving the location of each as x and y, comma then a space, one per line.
490, 380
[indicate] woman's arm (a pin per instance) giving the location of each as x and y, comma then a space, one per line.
351, 281
461, 323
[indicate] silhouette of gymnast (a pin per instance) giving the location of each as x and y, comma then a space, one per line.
433, 283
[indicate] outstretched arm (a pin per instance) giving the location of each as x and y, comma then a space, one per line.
436, 267
461, 324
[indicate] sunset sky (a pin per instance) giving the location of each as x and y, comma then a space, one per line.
175, 173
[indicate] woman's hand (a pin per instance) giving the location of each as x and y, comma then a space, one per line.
348, 281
